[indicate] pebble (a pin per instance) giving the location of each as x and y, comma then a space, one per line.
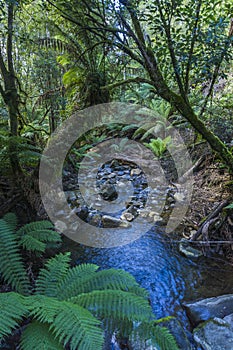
135, 172
127, 216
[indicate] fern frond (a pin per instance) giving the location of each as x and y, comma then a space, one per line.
36, 235
35, 226
73, 278
11, 220
116, 304
118, 309
12, 311
159, 336
71, 324
38, 337
48, 236
30, 243
11, 264
105, 279
52, 275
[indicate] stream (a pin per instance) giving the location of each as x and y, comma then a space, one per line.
153, 259
158, 266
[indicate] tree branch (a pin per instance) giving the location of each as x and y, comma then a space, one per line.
172, 52
136, 80
194, 36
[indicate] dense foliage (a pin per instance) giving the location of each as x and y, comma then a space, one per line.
68, 306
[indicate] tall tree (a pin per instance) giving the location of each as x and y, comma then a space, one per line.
124, 25
9, 88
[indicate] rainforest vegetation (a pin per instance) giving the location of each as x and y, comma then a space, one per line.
58, 58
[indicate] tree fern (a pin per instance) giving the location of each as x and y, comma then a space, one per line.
72, 306
52, 275
117, 304
105, 279
73, 278
11, 264
12, 311
70, 323
38, 337
118, 309
159, 336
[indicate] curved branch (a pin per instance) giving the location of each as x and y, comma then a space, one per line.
136, 80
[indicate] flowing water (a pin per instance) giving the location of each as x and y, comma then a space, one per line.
155, 262
158, 266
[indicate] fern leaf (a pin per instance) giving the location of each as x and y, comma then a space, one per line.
159, 336
117, 304
38, 337
11, 265
11, 220
118, 309
71, 324
12, 311
35, 226
74, 278
52, 275
105, 279
47, 236
30, 243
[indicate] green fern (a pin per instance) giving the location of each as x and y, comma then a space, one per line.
52, 275
158, 336
69, 323
36, 236
158, 146
11, 263
11, 220
38, 337
71, 307
12, 311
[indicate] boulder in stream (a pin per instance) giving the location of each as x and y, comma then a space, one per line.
209, 308
215, 334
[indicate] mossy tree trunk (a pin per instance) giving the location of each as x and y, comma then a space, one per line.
9, 90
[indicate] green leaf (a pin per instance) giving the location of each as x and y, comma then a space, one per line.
69, 323
12, 311
38, 337
11, 264
230, 206
52, 275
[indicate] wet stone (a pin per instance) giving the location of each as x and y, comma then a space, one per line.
127, 216
108, 192
110, 221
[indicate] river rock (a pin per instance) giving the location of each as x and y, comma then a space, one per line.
135, 172
82, 212
188, 251
206, 309
215, 334
108, 192
110, 221
127, 216
94, 219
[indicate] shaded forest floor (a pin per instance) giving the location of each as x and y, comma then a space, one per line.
213, 187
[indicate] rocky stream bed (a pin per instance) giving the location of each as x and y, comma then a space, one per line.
175, 273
